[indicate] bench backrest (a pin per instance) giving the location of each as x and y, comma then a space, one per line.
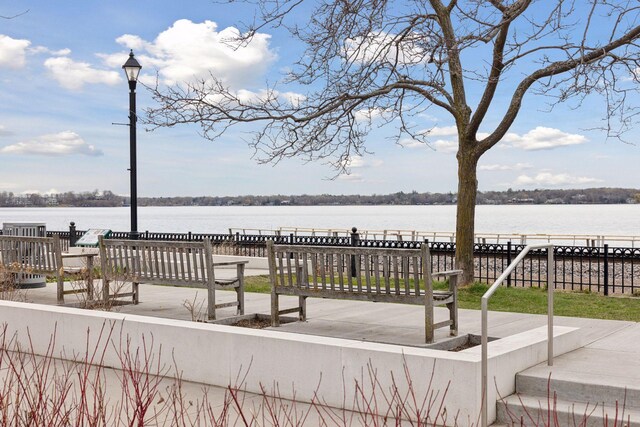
355, 269
38, 255
172, 263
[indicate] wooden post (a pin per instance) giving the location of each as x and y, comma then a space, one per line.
453, 306
104, 270
90, 278
271, 256
57, 250
240, 291
211, 280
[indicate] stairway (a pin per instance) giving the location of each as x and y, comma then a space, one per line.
569, 398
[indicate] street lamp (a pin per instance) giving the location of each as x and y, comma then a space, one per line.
132, 70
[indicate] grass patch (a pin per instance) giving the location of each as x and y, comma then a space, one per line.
524, 300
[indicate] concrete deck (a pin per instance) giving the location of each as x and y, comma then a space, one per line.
358, 320
610, 355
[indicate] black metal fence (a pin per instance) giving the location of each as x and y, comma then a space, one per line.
606, 270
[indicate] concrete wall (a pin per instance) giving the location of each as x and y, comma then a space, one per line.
300, 364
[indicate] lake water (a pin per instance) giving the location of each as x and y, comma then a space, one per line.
523, 219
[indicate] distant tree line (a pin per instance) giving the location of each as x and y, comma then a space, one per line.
109, 199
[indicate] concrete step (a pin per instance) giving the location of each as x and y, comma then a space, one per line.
525, 410
580, 387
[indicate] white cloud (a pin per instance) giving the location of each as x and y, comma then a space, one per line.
132, 42
411, 143
361, 162
74, 75
543, 138
369, 114
293, 98
42, 49
56, 144
549, 179
446, 146
352, 177
383, 47
115, 60
13, 52
440, 131
4, 131
187, 51
497, 167
540, 138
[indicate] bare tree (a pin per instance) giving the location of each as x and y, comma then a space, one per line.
390, 61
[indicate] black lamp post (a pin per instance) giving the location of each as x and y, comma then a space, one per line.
132, 70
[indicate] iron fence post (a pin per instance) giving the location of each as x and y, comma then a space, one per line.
509, 262
189, 236
73, 238
291, 242
355, 238
606, 269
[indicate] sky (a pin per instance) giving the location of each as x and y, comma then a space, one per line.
63, 88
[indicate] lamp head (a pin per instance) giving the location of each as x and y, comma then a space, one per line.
132, 70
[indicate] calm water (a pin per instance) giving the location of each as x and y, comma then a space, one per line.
544, 219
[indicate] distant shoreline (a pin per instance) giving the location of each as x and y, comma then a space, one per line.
311, 205
588, 196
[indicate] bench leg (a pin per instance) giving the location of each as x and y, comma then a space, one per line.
105, 291
302, 301
90, 278
240, 299
134, 290
275, 309
428, 323
240, 288
60, 289
453, 306
453, 316
211, 302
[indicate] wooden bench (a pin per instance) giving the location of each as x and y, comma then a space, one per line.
167, 263
42, 255
354, 273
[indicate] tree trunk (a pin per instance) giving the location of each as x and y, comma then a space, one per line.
466, 210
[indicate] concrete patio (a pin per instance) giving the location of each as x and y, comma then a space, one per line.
608, 362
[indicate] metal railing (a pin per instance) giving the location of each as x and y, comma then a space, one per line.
605, 270
589, 240
485, 316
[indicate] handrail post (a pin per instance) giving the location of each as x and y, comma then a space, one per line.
485, 375
484, 339
551, 285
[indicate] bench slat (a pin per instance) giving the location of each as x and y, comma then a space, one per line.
367, 271
340, 271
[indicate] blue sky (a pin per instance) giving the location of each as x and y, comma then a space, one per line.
63, 87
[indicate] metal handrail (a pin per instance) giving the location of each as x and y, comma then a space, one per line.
485, 315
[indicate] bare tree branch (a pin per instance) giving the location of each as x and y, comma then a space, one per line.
371, 63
